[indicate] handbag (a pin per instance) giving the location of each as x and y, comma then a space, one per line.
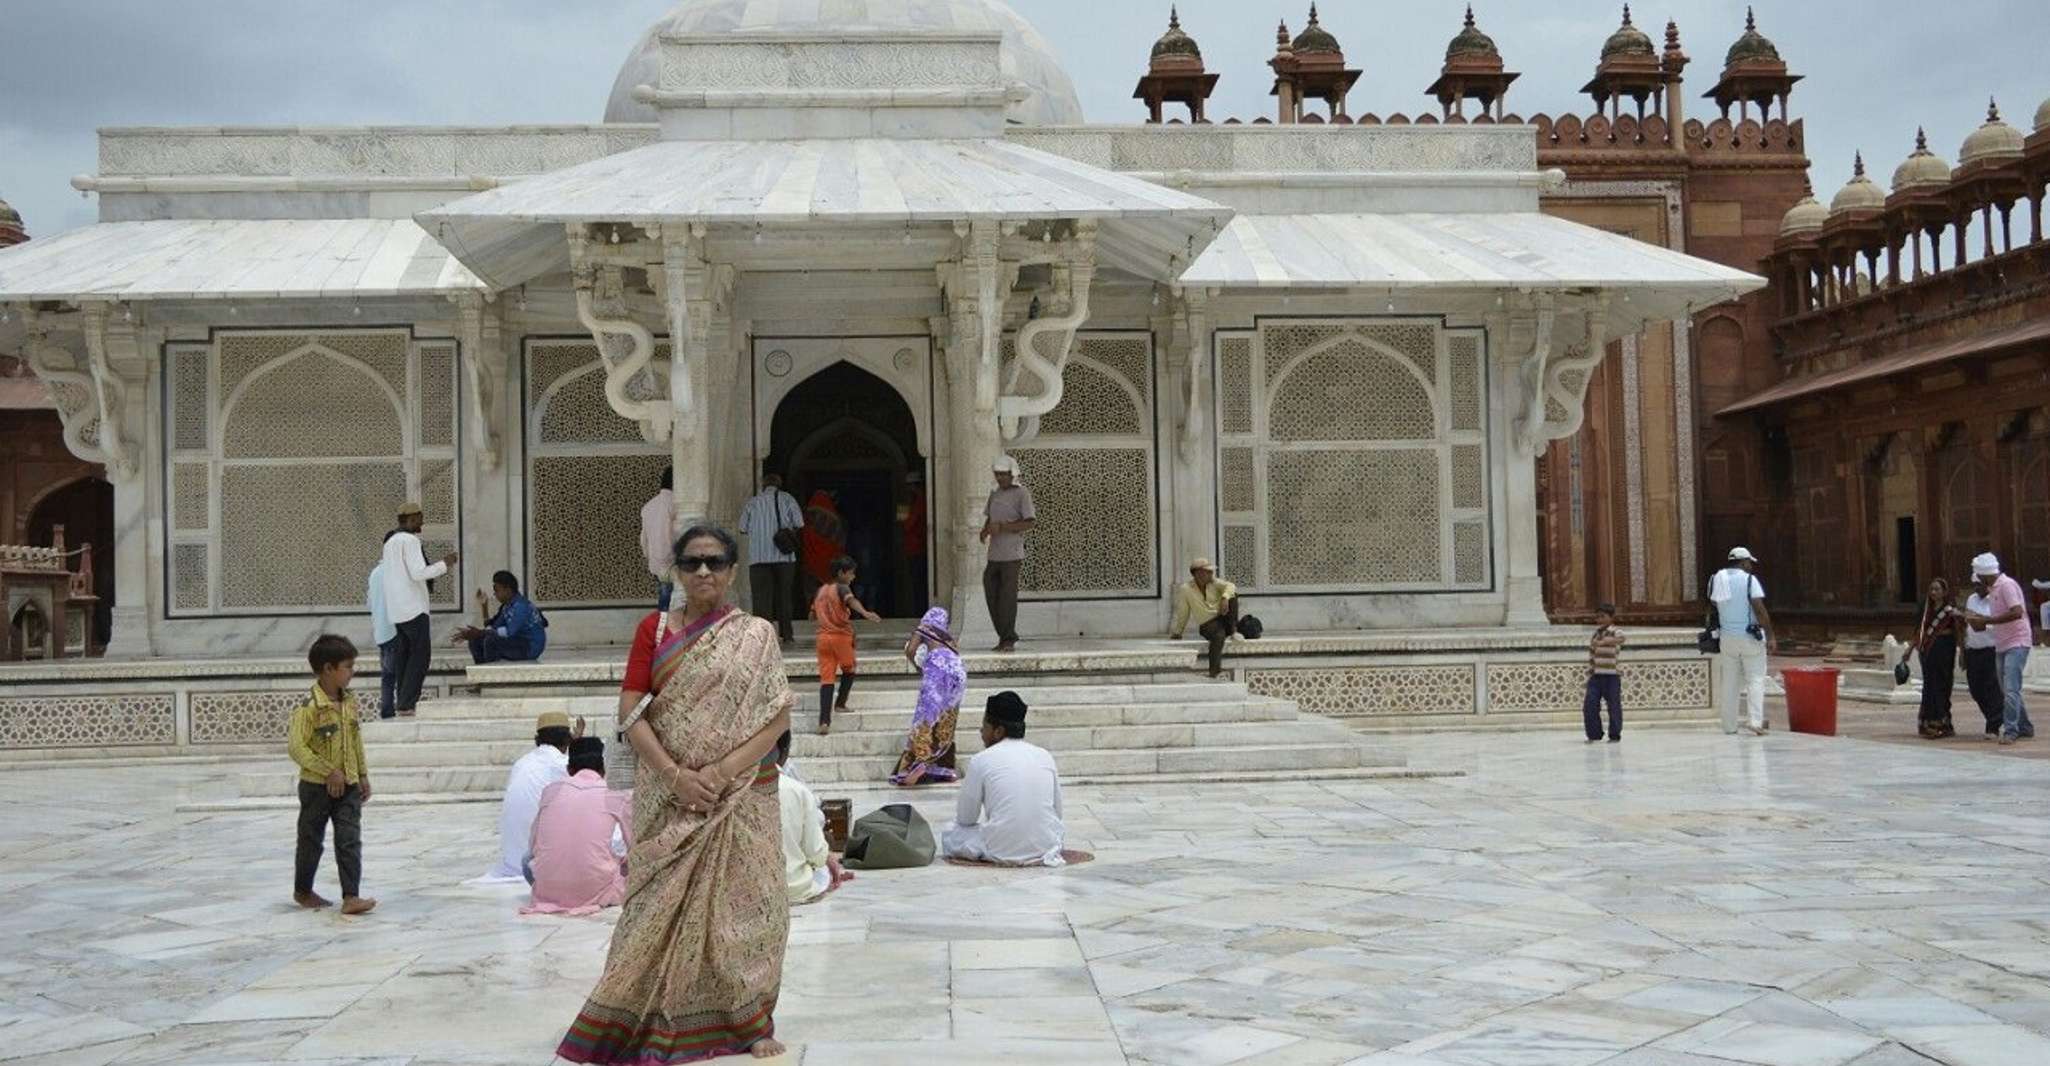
1250, 627
785, 537
893, 838
1900, 672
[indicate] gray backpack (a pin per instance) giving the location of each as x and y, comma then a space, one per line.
893, 838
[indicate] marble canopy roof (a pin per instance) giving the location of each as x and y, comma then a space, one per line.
220, 259
1414, 252
513, 233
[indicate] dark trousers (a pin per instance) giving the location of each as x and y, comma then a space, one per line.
388, 677
1217, 631
1939, 672
415, 651
1982, 676
492, 648
316, 809
775, 590
1603, 688
1000, 591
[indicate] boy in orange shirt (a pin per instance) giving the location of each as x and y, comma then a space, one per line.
834, 609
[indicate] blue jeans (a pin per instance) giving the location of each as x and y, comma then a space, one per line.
492, 648
2015, 716
388, 677
1603, 688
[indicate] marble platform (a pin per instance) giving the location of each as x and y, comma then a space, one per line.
1680, 899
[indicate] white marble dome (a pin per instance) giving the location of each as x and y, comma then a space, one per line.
1996, 140
1924, 169
1027, 57
1859, 193
1804, 217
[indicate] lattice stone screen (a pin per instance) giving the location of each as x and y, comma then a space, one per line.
1353, 456
588, 473
1091, 474
287, 455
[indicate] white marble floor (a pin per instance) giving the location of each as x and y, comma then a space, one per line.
1681, 899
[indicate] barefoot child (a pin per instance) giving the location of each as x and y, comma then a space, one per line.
834, 609
334, 782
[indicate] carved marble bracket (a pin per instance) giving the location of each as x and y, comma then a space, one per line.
697, 293
71, 390
1074, 274
484, 371
92, 397
626, 346
1545, 377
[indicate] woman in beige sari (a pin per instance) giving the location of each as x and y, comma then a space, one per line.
697, 957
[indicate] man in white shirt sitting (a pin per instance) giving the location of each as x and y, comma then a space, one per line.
1009, 810
406, 574
546, 764
809, 868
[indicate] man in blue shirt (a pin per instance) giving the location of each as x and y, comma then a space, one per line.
517, 633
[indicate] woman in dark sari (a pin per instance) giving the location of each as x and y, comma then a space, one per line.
696, 961
1936, 641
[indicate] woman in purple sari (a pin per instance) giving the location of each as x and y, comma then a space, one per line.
929, 750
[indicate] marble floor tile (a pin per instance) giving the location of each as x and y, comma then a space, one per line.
1033, 1018
1977, 1045
1772, 1044
1014, 954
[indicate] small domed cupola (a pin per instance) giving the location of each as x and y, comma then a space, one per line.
1805, 217
1310, 67
1922, 170
1858, 194
1993, 143
1175, 74
1753, 46
1628, 40
1315, 39
1472, 70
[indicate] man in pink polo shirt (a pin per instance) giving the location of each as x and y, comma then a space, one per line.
581, 835
2007, 618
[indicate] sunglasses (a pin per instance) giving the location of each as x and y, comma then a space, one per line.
710, 564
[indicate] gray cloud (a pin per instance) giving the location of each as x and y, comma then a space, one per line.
1875, 69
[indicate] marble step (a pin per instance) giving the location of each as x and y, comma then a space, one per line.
1321, 754
1522, 722
866, 697
383, 752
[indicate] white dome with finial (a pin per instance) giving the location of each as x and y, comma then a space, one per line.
1859, 193
1924, 169
1026, 56
1807, 216
1992, 142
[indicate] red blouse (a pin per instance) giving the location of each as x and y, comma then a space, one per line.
640, 659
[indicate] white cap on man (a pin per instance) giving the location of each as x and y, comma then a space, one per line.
1742, 555
1985, 564
1004, 464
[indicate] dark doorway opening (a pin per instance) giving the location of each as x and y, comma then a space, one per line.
85, 508
846, 444
1904, 559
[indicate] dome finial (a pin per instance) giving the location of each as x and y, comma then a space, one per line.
1858, 165
1750, 20
1672, 35
1626, 14
1281, 35
1921, 140
1469, 16
1313, 12
1992, 110
1174, 17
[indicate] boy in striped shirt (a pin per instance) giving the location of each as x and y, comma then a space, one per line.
1604, 682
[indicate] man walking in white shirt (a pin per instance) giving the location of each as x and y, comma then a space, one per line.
406, 574
385, 636
1745, 628
772, 567
1009, 811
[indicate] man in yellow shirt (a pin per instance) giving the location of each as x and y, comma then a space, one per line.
1213, 604
325, 741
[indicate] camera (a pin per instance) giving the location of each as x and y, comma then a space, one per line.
1756, 631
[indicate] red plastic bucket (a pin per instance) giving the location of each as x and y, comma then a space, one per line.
1811, 699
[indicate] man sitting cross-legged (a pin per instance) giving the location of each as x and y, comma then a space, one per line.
546, 764
1009, 810
577, 863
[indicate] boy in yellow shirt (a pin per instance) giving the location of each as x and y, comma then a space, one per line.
334, 782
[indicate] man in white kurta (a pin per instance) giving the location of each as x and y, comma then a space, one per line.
536, 770
1009, 811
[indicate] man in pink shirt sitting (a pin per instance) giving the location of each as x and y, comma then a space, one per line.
2007, 618
581, 836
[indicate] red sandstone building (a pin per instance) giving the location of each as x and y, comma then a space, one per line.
1640, 505
1908, 427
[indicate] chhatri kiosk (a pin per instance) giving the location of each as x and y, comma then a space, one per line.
871, 250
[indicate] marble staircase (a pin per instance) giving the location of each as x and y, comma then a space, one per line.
1104, 730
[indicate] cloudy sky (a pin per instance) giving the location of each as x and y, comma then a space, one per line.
1875, 68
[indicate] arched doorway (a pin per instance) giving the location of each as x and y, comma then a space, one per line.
85, 508
848, 434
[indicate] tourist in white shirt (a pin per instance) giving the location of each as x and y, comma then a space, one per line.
809, 868
386, 637
1982, 660
772, 571
658, 536
406, 574
533, 773
1009, 810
